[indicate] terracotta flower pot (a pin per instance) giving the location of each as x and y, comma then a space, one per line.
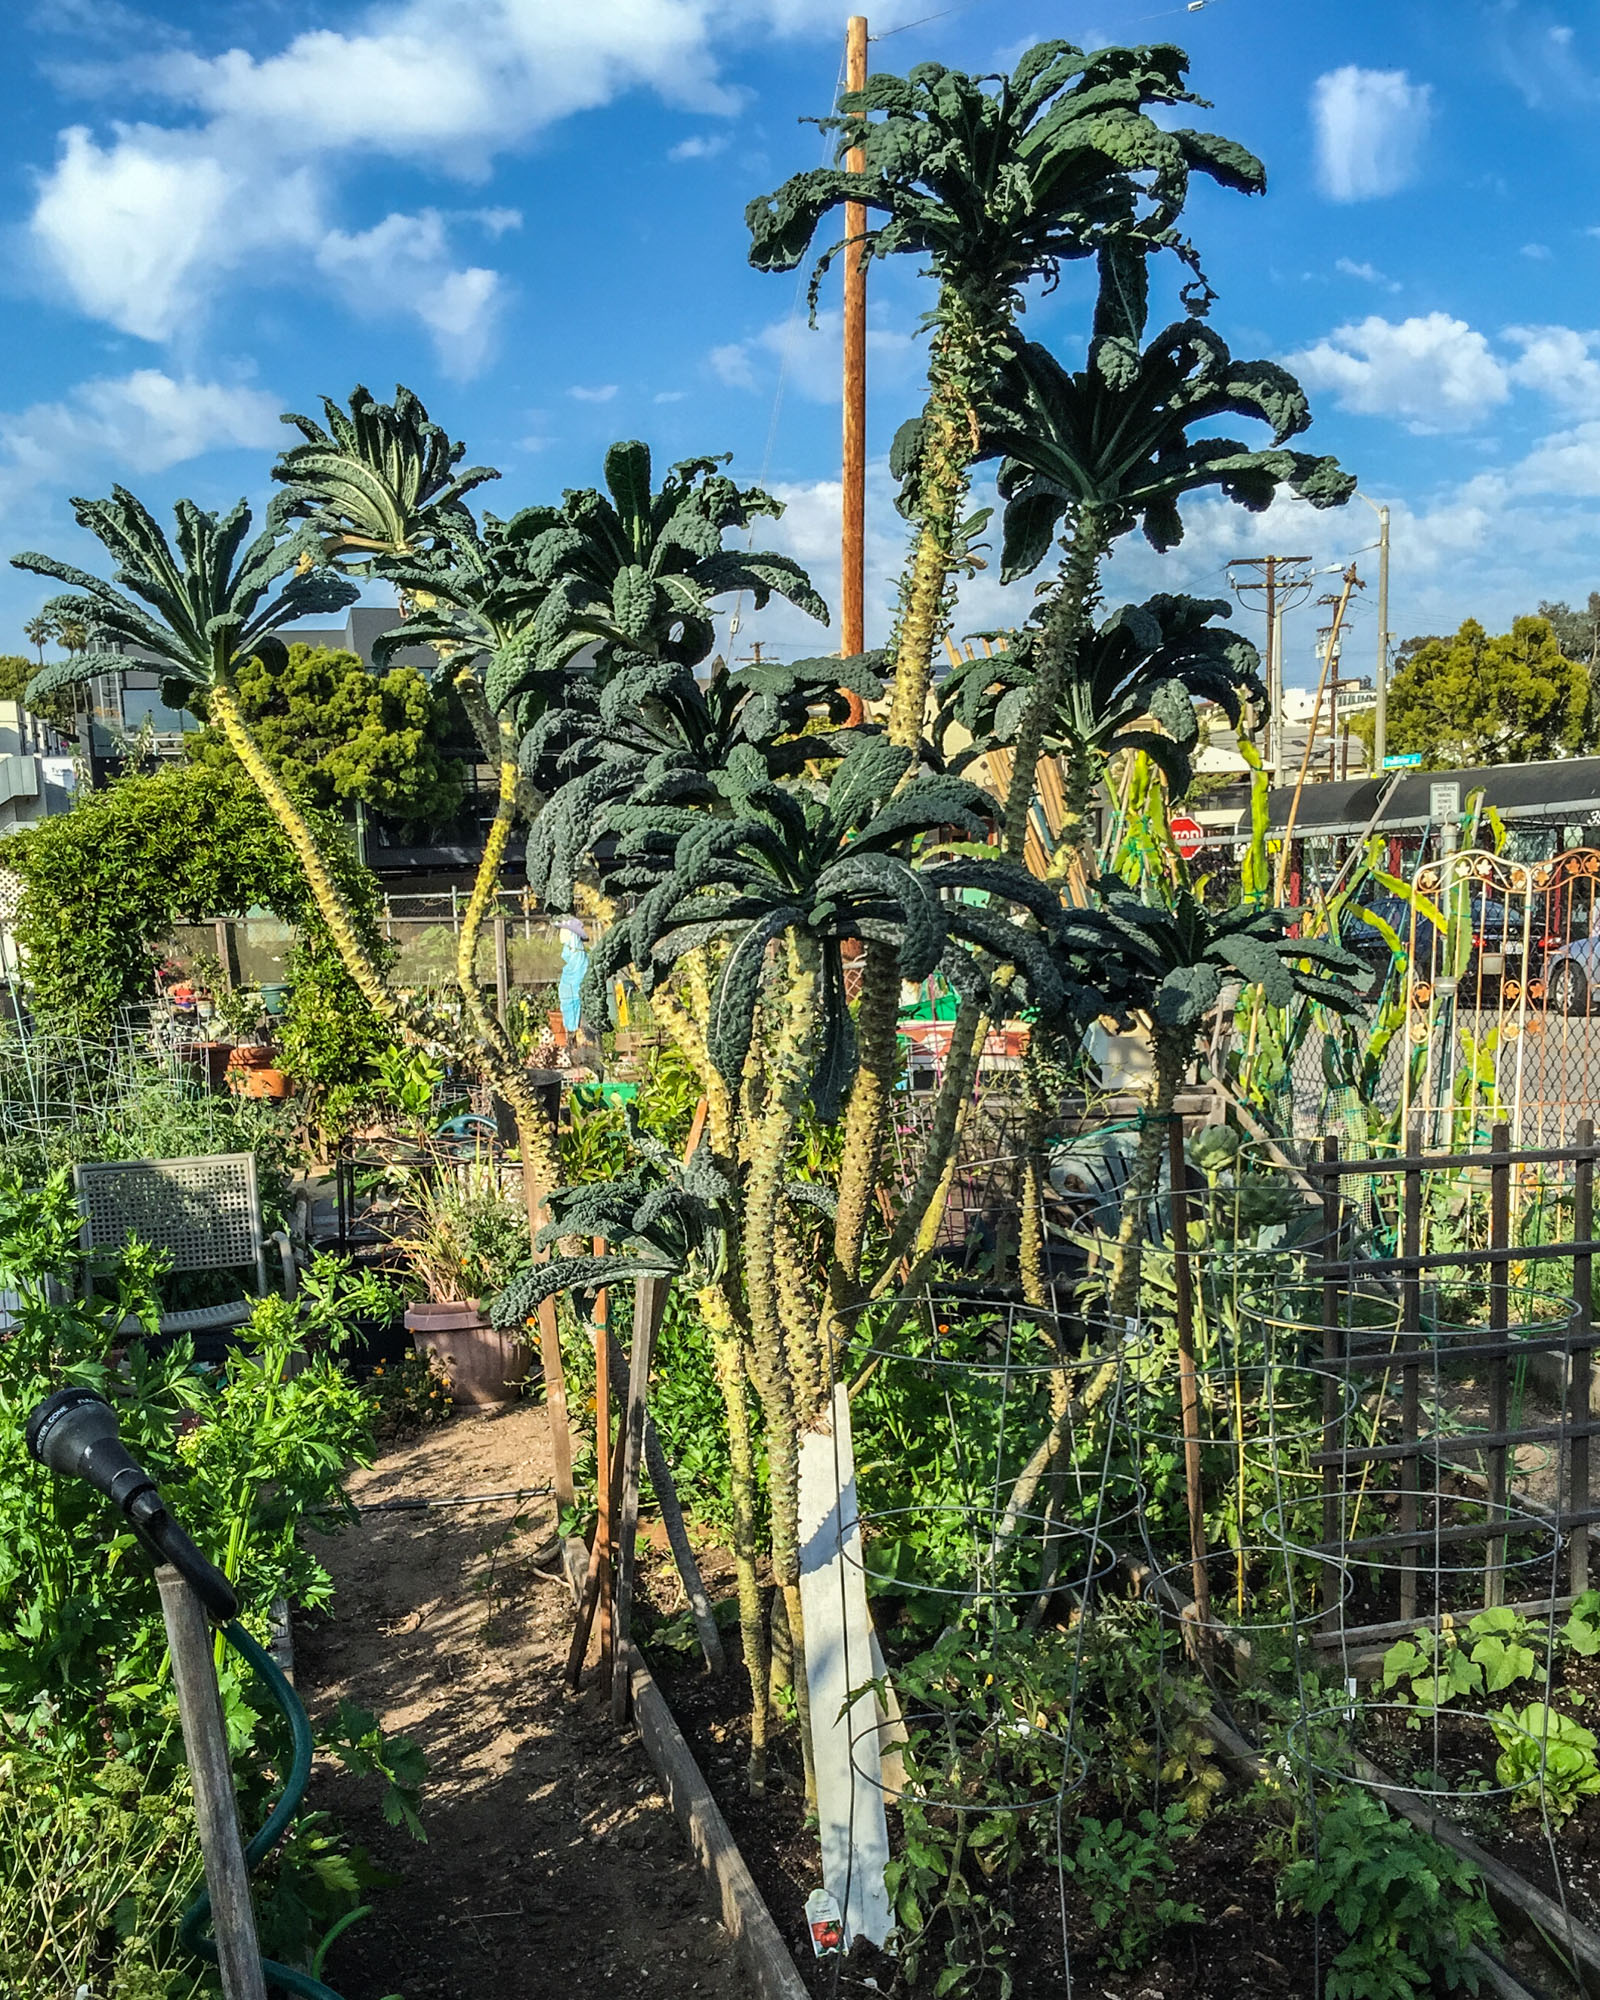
251, 1055
210, 1058
485, 1366
260, 1083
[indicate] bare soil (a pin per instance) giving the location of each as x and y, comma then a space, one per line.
553, 1866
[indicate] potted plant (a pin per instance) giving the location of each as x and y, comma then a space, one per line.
465, 1242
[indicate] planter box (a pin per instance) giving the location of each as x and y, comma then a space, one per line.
486, 1367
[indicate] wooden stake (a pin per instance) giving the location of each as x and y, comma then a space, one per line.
1188, 1384
852, 578
649, 1305
1350, 582
602, 1455
216, 1810
1494, 1579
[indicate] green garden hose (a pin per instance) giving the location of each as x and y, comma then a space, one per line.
192, 1929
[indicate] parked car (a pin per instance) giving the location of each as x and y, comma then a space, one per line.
1571, 974
1510, 943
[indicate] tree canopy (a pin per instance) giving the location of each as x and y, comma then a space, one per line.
104, 884
1577, 631
337, 733
1482, 698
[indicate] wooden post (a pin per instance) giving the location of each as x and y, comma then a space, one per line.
649, 1304
1410, 1384
226, 956
589, 1593
602, 1454
1494, 1578
1332, 1401
1580, 1366
502, 967
852, 578
555, 1402
216, 1810
1188, 1385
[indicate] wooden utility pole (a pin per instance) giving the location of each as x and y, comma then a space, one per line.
1282, 583
852, 579
1351, 582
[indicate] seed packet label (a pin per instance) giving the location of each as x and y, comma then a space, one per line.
827, 1926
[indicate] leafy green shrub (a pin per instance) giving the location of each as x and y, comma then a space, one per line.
986, 1722
1547, 1756
248, 1457
143, 1112
408, 1394
1411, 1910
1123, 1870
1582, 1630
1440, 1667
105, 883
96, 1863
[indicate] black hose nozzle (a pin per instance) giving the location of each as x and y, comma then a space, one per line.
74, 1433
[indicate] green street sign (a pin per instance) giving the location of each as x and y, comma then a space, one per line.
1408, 760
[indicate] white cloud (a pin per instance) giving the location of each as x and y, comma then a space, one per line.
1540, 253
137, 423
808, 358
142, 227
403, 264
1369, 125
138, 229
1557, 362
603, 394
669, 395
1435, 371
1369, 274
703, 146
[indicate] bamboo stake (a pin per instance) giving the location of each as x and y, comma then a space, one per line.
1188, 1385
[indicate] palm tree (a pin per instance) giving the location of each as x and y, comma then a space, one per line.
992, 188
39, 632
195, 612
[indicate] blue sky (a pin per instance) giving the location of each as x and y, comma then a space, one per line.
531, 212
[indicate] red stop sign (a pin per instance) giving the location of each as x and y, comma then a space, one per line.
1188, 836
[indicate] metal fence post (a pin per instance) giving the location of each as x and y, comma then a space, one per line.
1410, 1384
1581, 1360
1494, 1580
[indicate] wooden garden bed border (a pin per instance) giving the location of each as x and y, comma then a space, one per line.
745, 1916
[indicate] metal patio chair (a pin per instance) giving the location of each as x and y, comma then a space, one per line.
204, 1212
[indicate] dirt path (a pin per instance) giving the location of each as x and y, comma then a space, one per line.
553, 1866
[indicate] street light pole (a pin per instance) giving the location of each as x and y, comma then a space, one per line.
1380, 717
